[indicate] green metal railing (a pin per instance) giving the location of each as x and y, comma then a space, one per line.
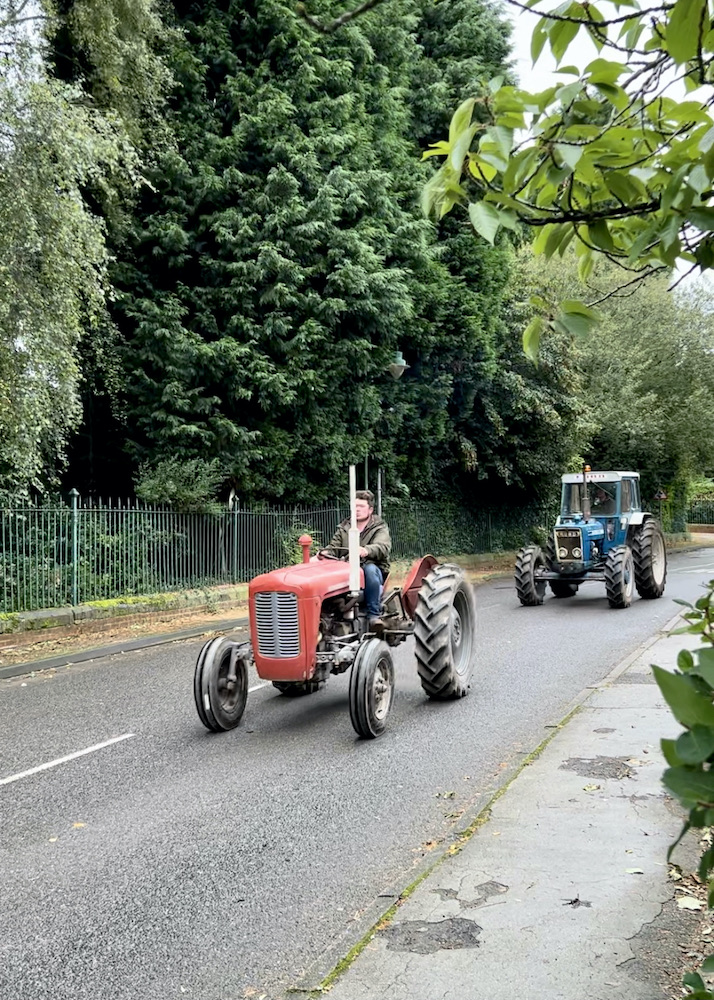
85, 550
701, 511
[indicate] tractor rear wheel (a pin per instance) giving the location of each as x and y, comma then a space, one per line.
296, 689
220, 683
561, 588
620, 576
530, 590
444, 629
650, 561
371, 688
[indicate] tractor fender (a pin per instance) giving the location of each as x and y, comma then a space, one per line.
639, 517
635, 524
410, 589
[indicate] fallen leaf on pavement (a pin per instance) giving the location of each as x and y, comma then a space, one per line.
590, 788
634, 871
78, 826
689, 903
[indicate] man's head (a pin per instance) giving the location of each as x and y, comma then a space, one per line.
364, 504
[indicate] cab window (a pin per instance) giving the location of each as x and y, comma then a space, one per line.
627, 498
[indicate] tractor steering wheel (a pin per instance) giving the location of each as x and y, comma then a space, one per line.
324, 554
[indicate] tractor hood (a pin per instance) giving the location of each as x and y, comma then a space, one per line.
325, 578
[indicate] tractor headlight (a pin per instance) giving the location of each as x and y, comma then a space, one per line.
577, 553
562, 553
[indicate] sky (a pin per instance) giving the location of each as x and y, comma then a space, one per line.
542, 75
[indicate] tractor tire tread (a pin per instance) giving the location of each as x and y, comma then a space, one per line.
439, 678
528, 593
647, 586
614, 573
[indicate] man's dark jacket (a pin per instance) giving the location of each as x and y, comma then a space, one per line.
374, 537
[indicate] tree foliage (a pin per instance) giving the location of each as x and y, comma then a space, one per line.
281, 257
617, 159
52, 249
647, 370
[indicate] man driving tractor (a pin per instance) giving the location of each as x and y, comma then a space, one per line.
375, 547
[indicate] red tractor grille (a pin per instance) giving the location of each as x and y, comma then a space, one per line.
276, 622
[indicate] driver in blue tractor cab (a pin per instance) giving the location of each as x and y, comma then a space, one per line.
603, 501
374, 551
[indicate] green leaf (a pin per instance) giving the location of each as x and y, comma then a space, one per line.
461, 120
688, 706
578, 307
539, 38
705, 666
461, 148
669, 752
604, 71
495, 84
586, 264
689, 785
696, 746
698, 179
485, 219
683, 29
685, 660
561, 35
694, 980
503, 139
707, 141
600, 235
707, 965
569, 154
531, 338
575, 324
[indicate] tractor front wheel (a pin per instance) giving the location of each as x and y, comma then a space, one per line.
220, 683
562, 588
296, 689
650, 558
530, 590
371, 688
620, 576
444, 629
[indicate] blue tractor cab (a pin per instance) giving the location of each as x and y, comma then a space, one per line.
601, 534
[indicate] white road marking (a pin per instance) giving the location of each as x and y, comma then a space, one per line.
63, 760
256, 687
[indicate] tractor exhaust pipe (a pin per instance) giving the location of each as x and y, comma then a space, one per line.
586, 496
353, 536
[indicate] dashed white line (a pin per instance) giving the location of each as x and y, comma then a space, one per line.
256, 687
63, 760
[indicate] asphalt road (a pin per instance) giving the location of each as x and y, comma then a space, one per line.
178, 863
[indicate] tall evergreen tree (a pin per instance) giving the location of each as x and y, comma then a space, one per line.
275, 265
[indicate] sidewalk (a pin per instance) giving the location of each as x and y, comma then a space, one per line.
563, 893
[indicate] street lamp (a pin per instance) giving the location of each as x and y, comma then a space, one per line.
398, 366
396, 369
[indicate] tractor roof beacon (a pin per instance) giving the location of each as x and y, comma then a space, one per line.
601, 534
308, 621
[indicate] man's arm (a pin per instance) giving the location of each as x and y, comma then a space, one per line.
381, 545
337, 546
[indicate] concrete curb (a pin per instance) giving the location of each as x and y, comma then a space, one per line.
340, 951
44, 619
127, 646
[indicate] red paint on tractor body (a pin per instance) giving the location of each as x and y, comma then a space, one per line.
311, 583
417, 571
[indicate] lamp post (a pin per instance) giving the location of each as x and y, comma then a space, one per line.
396, 369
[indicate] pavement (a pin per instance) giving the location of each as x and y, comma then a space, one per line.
561, 888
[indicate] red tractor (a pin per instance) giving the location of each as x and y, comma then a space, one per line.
309, 621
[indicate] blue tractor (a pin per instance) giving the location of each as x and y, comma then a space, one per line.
602, 534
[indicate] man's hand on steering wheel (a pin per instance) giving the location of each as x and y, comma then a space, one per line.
326, 554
